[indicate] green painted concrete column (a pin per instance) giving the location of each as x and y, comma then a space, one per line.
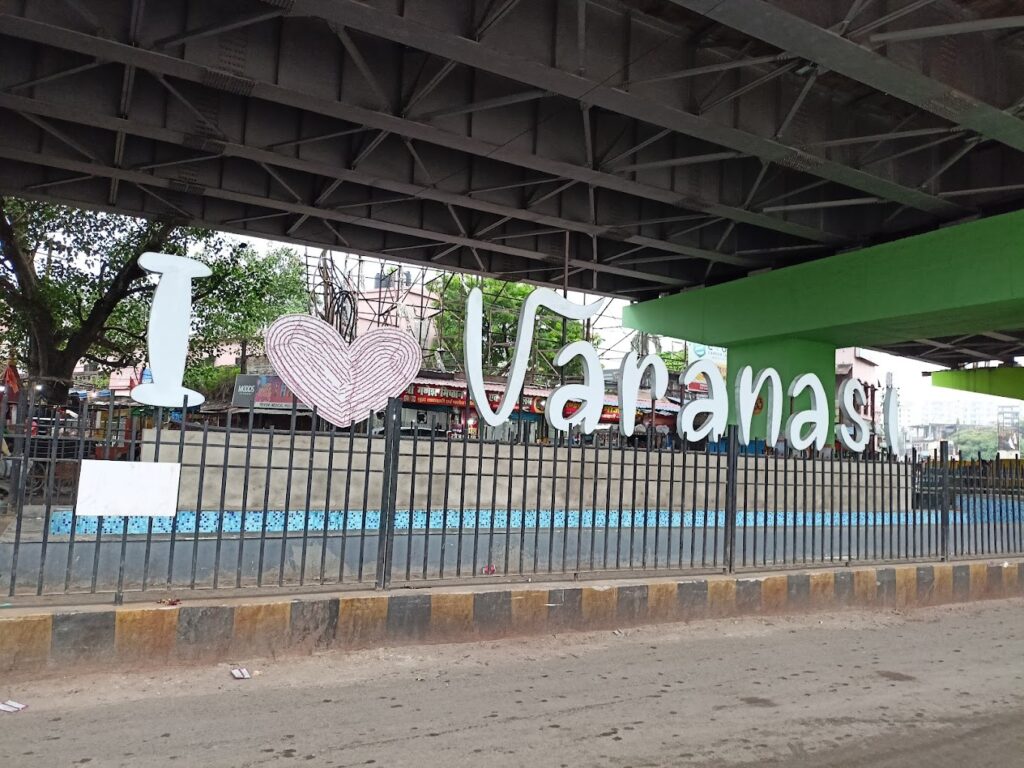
1004, 382
790, 357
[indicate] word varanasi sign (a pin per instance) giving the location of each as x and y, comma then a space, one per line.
345, 382
698, 419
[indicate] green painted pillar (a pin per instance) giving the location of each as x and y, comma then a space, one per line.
790, 357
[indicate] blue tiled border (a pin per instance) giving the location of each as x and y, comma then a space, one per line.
356, 520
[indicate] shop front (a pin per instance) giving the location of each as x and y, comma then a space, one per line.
444, 405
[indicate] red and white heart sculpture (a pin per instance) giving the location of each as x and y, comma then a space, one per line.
344, 382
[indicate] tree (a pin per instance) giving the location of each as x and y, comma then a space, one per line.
674, 361
214, 382
974, 440
270, 285
502, 301
71, 288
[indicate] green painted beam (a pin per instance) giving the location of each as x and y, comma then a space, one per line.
1004, 382
963, 279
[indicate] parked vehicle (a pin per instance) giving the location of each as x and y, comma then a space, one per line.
6, 470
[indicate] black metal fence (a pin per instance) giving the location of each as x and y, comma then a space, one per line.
272, 507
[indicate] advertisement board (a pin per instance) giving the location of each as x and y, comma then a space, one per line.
262, 391
444, 394
269, 391
1008, 431
695, 352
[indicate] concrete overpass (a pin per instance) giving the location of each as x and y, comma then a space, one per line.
632, 148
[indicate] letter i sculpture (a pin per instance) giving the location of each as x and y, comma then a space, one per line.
170, 320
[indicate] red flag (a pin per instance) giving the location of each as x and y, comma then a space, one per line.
11, 380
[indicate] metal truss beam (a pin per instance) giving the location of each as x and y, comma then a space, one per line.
217, 28
169, 66
408, 190
385, 254
390, 26
484, 104
777, 27
946, 30
710, 69
95, 170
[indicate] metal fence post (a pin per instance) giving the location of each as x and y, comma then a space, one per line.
389, 492
731, 467
944, 499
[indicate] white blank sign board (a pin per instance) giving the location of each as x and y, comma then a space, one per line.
123, 488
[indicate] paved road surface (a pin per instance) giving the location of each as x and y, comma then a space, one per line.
942, 688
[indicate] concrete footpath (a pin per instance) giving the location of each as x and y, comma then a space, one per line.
33, 640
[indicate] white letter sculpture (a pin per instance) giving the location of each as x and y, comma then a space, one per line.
816, 415
629, 378
473, 347
851, 397
169, 324
590, 393
747, 390
893, 433
716, 405
344, 382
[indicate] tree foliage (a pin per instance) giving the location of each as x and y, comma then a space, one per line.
502, 301
675, 361
71, 288
974, 440
214, 382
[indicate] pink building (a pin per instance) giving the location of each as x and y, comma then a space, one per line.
855, 363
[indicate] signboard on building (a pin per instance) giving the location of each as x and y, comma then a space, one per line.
609, 413
696, 352
449, 395
269, 391
262, 391
435, 394
245, 389
1008, 431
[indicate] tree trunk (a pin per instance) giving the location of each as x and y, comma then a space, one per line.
54, 372
243, 358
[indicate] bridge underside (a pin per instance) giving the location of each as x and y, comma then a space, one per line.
626, 147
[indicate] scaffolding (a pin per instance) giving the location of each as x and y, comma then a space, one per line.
357, 294
332, 297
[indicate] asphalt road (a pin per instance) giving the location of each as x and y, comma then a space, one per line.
942, 688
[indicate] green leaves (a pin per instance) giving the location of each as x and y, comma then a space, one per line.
974, 440
245, 294
71, 287
502, 301
216, 383
674, 361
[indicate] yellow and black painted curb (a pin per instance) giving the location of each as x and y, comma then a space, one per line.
32, 641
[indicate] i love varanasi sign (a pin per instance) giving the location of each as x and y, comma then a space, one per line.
346, 382
698, 419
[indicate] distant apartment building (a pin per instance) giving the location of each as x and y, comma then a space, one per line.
961, 408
